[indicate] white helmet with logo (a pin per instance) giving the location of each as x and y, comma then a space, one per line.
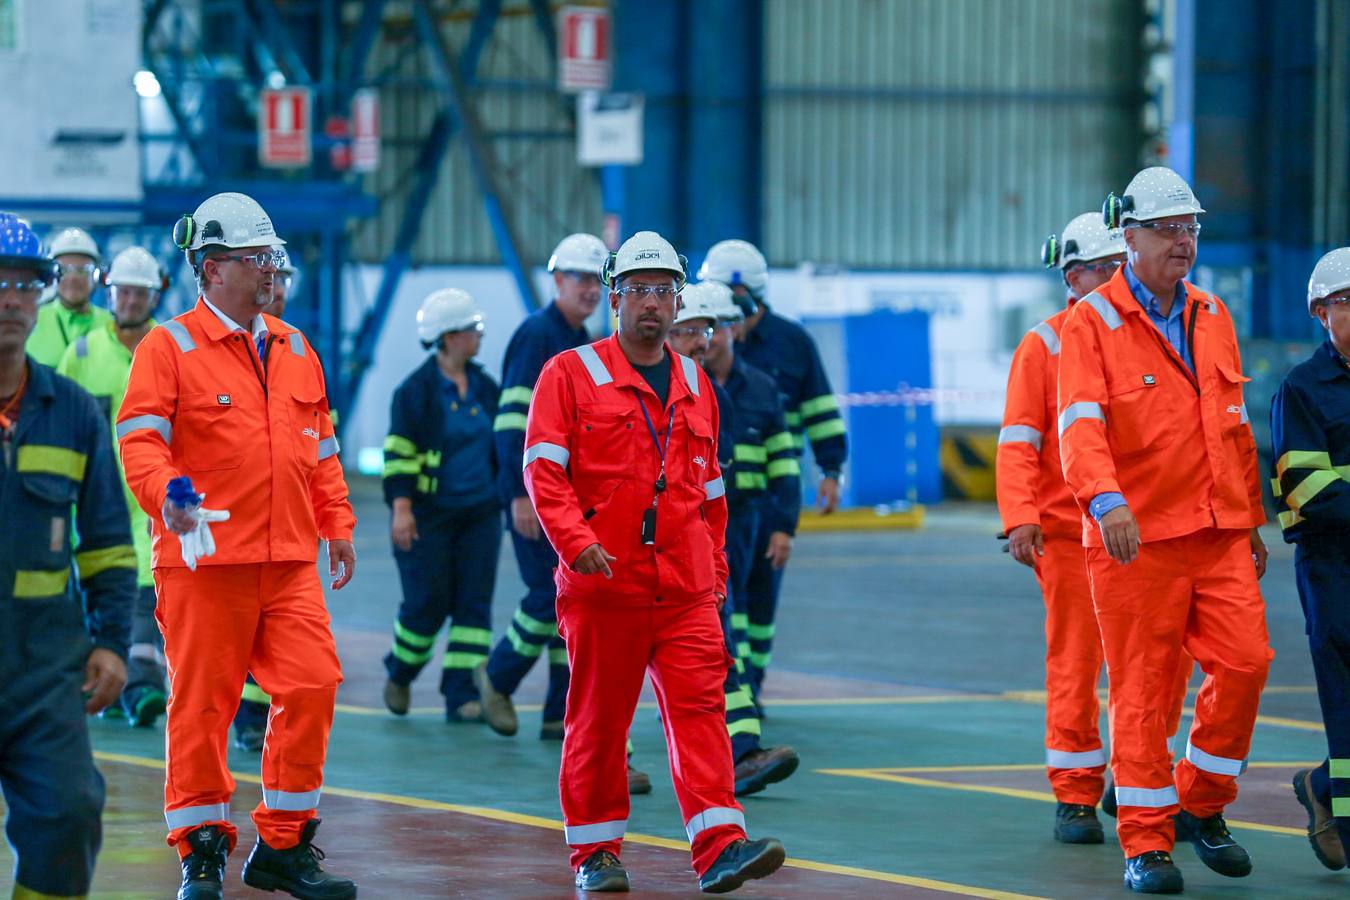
1084, 239
1331, 274
1155, 193
736, 262
135, 267
448, 309
645, 251
74, 240
722, 301
579, 252
228, 220
698, 303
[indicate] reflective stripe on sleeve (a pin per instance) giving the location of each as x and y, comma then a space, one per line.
297, 343
82, 346
400, 446
690, 374
291, 801
594, 365
577, 835
180, 335
782, 468
711, 818
153, 423
34, 583
51, 461
328, 447
191, 816
92, 562
545, 450
1063, 759
518, 394
1215, 765
1104, 309
1309, 488
715, 488
509, 421
817, 405
1020, 434
1244, 418
1075, 411
826, 429
1151, 798
1047, 334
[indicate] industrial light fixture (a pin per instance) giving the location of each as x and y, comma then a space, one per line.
147, 85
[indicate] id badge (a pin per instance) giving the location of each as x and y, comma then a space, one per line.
649, 526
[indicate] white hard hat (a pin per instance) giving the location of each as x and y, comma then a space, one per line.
698, 304
74, 240
1084, 239
736, 262
1331, 274
722, 301
579, 253
644, 252
448, 309
1155, 193
229, 220
135, 267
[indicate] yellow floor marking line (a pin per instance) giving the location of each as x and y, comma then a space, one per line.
899, 700
1037, 767
1019, 794
501, 815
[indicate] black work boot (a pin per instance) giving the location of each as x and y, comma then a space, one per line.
740, 862
1214, 844
295, 870
204, 867
1153, 873
602, 872
762, 767
1077, 824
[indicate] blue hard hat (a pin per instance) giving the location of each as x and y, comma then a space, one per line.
21, 248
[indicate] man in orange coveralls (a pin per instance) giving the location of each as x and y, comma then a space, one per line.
1157, 450
621, 465
231, 403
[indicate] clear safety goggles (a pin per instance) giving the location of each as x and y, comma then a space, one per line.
643, 291
77, 270
589, 279
263, 259
692, 331
1171, 230
23, 288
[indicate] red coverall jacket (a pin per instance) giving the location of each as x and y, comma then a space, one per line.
257, 442
591, 464
1133, 418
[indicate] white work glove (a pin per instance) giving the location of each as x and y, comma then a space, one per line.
198, 542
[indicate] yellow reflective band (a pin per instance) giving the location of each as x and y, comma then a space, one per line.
759, 632
433, 458
463, 660
23, 893
761, 660
516, 394
1302, 459
409, 657
782, 468
92, 562
254, 694
1309, 488
530, 624
778, 443
1275, 487
400, 446
463, 634
1340, 768
1340, 807
31, 583
509, 422
412, 638
38, 458
794, 420
743, 726
1289, 519
739, 699
401, 467
751, 481
522, 646
752, 453
742, 652
739, 621
425, 484
557, 656
827, 429
818, 405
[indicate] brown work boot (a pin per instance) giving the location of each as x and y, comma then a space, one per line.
1322, 833
397, 697
638, 782
498, 710
762, 767
470, 711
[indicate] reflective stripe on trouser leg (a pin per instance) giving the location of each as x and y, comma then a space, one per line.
192, 816
711, 818
580, 835
534, 624
291, 801
762, 592
1074, 757
476, 546
1321, 580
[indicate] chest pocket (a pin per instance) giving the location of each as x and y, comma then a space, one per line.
701, 447
306, 412
44, 539
1232, 410
608, 437
1141, 415
208, 430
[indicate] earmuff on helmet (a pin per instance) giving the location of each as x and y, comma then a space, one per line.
1114, 209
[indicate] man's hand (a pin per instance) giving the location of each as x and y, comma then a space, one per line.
721, 599
104, 677
341, 563
1026, 543
780, 548
523, 519
403, 526
179, 519
1120, 534
1259, 553
827, 496
594, 561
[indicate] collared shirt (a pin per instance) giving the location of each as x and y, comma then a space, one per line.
467, 476
258, 327
1172, 325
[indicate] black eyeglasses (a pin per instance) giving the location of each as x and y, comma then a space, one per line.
263, 259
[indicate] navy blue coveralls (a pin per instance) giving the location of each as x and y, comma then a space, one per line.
59, 455
534, 626
784, 351
439, 454
1310, 434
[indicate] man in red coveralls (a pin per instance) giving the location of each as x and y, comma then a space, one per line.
621, 465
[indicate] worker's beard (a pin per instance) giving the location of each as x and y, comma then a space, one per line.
129, 324
264, 296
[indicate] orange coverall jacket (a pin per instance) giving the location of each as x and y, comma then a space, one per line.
256, 440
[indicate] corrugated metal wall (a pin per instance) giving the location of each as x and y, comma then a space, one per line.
942, 133
549, 194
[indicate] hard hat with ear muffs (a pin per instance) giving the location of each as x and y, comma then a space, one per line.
1084, 239
643, 252
226, 220
1155, 193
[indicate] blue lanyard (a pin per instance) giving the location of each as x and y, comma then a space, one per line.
660, 448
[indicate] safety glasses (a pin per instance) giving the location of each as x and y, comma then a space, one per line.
692, 331
263, 259
24, 289
643, 291
1171, 230
77, 270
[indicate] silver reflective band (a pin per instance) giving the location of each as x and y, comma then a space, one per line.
1063, 759
180, 335
690, 374
1215, 765
591, 360
291, 801
1020, 434
82, 346
1104, 309
545, 450
1153, 798
328, 447
1047, 334
577, 835
711, 818
715, 488
1243, 419
1213, 305
297, 344
153, 423
1075, 411
189, 816
145, 651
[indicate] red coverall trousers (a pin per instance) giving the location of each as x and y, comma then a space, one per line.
219, 624
610, 645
